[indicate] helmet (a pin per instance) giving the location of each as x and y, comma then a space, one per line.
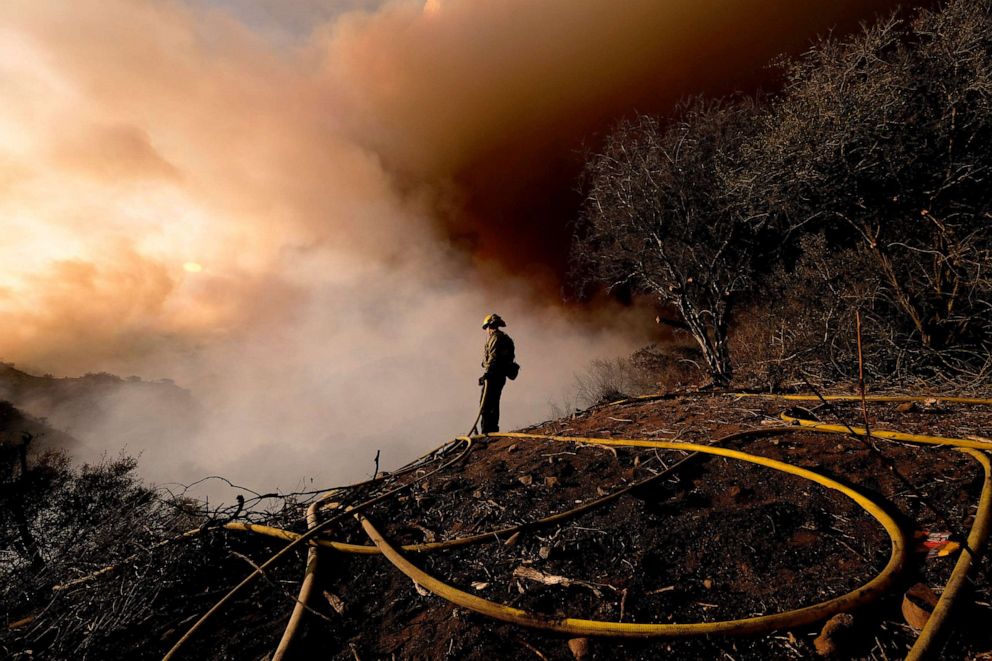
493, 320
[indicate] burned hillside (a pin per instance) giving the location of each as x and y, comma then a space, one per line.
713, 539
799, 468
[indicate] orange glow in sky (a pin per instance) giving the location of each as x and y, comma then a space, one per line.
342, 183
132, 131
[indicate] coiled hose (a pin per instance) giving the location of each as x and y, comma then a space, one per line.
860, 596
310, 534
868, 592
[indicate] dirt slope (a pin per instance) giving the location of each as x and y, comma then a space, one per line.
720, 539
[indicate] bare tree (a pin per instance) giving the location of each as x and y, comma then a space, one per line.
658, 219
886, 140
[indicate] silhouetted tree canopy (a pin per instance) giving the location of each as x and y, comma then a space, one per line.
660, 218
865, 184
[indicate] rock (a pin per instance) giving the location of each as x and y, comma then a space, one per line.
335, 601
550, 481
835, 635
708, 583
917, 605
579, 647
525, 480
933, 405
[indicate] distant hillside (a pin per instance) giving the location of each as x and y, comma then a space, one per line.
130, 412
14, 423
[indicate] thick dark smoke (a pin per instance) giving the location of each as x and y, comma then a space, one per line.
500, 99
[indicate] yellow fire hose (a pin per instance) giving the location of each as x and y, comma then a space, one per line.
310, 570
482, 402
860, 596
313, 532
309, 577
751, 625
806, 615
926, 642
891, 435
928, 638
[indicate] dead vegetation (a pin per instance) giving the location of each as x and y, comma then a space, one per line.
863, 185
717, 539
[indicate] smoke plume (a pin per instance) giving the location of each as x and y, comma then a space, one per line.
301, 211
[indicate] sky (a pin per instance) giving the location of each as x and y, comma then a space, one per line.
302, 210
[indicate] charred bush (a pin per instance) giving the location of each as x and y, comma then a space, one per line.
660, 218
881, 147
864, 185
98, 565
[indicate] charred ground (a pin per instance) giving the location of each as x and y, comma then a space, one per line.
718, 539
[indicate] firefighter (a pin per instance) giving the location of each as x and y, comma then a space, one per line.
497, 365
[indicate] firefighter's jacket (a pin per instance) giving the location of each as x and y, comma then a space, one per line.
498, 355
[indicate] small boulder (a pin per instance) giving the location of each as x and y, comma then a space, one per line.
835, 636
579, 648
917, 605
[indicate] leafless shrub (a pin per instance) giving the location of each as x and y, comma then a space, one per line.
602, 380
605, 381
649, 370
92, 517
865, 185
658, 220
882, 146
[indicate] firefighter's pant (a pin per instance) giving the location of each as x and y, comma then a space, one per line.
490, 403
